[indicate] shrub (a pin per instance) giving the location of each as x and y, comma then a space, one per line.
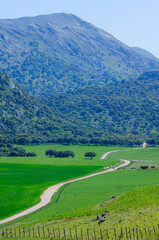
31, 154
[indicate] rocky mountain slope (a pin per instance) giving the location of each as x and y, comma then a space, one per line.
55, 53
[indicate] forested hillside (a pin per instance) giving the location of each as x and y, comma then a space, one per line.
55, 53
127, 107
23, 118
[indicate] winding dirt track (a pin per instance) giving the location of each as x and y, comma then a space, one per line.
48, 193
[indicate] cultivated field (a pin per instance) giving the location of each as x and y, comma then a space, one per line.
23, 179
77, 205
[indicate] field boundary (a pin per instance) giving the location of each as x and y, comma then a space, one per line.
99, 233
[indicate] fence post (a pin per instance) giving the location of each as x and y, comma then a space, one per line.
70, 233
141, 234
53, 233
3, 233
33, 232
23, 232
87, 233
129, 232
126, 233
94, 234
137, 237
121, 233
64, 233
114, 233
133, 233
154, 230
101, 237
107, 233
6, 232
15, 232
81, 234
76, 233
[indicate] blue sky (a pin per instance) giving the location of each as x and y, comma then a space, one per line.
134, 22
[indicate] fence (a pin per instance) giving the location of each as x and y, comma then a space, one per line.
81, 234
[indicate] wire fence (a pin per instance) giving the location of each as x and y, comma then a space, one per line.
83, 234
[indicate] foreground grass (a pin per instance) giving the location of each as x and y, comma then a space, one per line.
22, 185
78, 199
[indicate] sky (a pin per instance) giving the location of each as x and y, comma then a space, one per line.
134, 22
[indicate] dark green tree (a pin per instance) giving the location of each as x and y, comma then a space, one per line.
90, 154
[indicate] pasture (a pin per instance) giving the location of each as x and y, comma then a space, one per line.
23, 179
78, 203
78, 199
146, 154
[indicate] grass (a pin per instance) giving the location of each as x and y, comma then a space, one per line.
80, 202
146, 154
79, 158
24, 179
79, 199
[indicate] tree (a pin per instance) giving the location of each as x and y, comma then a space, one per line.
50, 152
20, 152
90, 154
31, 154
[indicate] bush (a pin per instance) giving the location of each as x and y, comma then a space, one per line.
59, 154
31, 154
19, 152
50, 152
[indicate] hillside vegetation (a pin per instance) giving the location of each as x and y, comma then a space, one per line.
87, 115
23, 117
127, 107
55, 53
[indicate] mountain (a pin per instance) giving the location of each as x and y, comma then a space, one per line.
127, 107
24, 117
51, 54
144, 53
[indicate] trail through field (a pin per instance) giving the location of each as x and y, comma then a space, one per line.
48, 193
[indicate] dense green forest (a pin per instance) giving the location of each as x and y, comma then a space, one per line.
124, 113
127, 107
23, 118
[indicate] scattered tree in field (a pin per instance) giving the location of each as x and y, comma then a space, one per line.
31, 154
90, 154
50, 152
59, 154
17, 151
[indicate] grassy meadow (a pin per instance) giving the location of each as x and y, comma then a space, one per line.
23, 179
145, 154
77, 204
78, 199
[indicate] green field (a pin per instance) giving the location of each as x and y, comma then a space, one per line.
79, 158
149, 154
78, 198
24, 179
80, 201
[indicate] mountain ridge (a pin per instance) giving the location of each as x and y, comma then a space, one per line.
63, 52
